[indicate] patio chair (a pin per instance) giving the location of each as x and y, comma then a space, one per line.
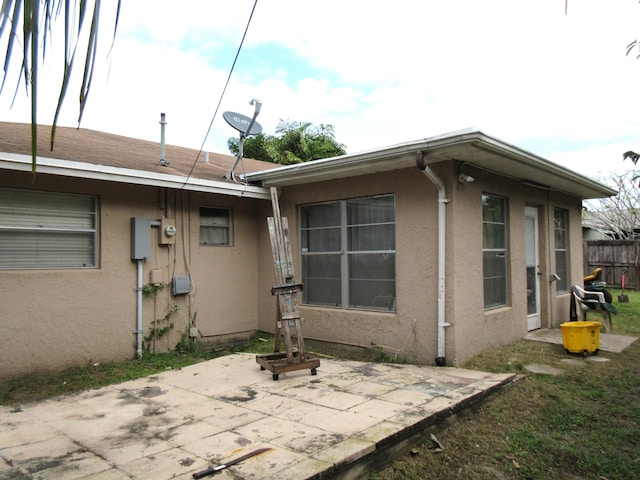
589, 301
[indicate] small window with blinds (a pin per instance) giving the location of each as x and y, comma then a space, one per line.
47, 230
215, 226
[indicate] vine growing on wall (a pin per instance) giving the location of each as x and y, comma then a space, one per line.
160, 326
187, 343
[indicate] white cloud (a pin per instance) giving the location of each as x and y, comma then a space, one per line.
381, 72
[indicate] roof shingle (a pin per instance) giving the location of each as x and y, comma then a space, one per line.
99, 148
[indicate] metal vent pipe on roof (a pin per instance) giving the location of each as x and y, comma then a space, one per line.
162, 161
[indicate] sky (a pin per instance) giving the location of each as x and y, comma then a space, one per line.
556, 83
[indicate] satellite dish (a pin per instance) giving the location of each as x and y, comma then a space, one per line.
241, 123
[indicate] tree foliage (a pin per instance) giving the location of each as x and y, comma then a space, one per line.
293, 142
619, 216
631, 155
32, 20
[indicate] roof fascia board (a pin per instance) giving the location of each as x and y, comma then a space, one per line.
513, 153
353, 161
10, 161
370, 158
316, 169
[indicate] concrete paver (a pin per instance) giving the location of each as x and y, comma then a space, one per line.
608, 342
172, 424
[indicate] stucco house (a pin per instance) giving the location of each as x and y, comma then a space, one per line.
435, 249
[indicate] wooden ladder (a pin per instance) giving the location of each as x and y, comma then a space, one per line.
287, 292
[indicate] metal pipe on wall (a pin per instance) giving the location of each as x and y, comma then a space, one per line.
442, 212
139, 330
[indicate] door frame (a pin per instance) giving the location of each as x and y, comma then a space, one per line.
533, 319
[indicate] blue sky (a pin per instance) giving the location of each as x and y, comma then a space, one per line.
380, 72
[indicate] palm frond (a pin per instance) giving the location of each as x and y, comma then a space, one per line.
92, 49
6, 15
631, 155
30, 32
29, 14
69, 57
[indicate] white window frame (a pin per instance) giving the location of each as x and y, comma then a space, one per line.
561, 227
385, 302
47, 230
499, 252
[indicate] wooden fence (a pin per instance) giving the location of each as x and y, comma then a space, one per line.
615, 257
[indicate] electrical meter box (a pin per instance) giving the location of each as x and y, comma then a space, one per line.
140, 238
167, 234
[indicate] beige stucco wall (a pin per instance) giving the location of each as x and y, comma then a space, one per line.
416, 267
51, 319
412, 330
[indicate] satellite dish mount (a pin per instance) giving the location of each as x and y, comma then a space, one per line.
246, 127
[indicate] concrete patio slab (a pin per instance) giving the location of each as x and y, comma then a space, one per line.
172, 424
608, 342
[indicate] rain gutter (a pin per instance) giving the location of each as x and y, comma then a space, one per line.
439, 147
91, 171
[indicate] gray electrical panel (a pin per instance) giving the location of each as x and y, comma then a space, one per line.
140, 238
181, 285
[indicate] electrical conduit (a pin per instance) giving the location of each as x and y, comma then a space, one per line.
139, 309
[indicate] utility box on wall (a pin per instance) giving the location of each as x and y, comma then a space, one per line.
181, 285
140, 238
167, 234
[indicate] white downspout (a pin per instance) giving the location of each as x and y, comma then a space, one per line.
139, 287
442, 212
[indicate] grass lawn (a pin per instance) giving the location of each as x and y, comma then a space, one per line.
583, 424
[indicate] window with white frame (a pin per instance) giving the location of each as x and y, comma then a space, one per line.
494, 250
47, 230
215, 226
560, 227
348, 253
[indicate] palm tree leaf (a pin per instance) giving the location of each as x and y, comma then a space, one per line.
92, 48
69, 57
115, 26
13, 34
631, 155
31, 14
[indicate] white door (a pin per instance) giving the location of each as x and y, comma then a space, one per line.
533, 267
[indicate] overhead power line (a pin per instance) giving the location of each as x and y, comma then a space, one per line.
215, 113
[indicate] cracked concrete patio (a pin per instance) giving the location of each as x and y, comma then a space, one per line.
170, 425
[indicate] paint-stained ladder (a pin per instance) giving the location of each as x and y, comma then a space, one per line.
287, 292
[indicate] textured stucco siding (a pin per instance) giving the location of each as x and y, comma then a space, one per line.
409, 331
52, 319
412, 330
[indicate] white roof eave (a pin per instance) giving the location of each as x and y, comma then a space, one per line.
470, 146
52, 166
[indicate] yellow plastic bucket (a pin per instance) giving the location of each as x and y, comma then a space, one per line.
581, 337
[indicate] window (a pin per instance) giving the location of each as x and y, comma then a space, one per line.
494, 250
215, 226
348, 253
561, 248
47, 230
